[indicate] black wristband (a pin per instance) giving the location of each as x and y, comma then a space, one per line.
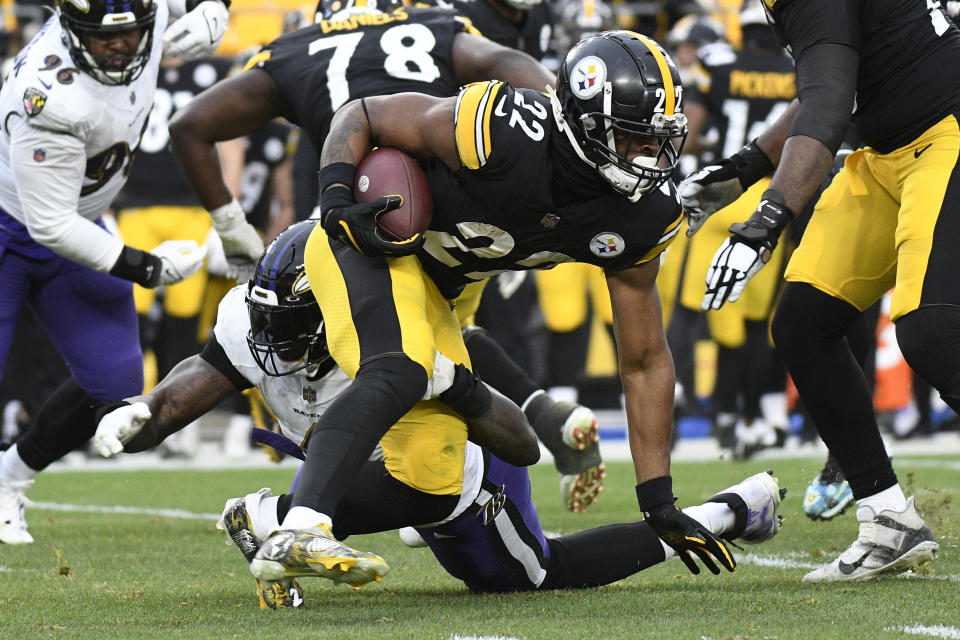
138, 266
752, 163
337, 173
105, 408
655, 493
468, 395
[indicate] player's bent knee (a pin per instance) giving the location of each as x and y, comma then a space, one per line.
402, 379
929, 338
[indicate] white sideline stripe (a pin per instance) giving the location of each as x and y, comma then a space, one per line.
137, 511
935, 631
457, 636
787, 563
5, 569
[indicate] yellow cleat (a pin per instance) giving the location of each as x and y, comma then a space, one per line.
315, 552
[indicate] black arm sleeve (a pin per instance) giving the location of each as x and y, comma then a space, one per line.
826, 86
217, 358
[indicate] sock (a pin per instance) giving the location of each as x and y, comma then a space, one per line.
305, 518
717, 517
13, 468
891, 498
531, 398
265, 521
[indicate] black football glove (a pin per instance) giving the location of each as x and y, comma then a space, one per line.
717, 185
356, 225
688, 537
684, 534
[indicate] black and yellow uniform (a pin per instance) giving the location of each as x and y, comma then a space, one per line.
901, 187
267, 148
531, 35
321, 67
316, 70
520, 200
744, 92
891, 217
157, 203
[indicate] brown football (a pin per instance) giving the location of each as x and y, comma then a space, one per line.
385, 172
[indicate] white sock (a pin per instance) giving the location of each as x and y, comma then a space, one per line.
305, 518
717, 517
891, 499
265, 521
13, 468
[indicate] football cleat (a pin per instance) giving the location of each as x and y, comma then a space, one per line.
13, 526
237, 523
824, 500
315, 552
569, 431
755, 502
890, 542
280, 594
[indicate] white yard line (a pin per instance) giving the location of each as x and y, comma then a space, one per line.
136, 511
934, 631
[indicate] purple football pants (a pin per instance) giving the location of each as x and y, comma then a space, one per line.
497, 544
89, 316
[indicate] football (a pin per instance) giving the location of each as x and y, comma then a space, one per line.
385, 172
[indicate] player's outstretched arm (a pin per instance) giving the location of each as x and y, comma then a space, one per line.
646, 371
476, 58
230, 109
192, 388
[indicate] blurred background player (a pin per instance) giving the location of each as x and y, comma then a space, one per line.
155, 205
739, 92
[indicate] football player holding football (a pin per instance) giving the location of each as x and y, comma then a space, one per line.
483, 528
521, 179
74, 106
889, 218
306, 75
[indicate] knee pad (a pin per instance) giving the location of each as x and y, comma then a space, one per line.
401, 379
929, 338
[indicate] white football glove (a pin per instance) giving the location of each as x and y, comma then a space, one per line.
707, 191
443, 373
734, 263
198, 33
118, 427
181, 259
242, 243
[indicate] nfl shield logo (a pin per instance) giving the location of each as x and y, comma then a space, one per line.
39, 155
309, 394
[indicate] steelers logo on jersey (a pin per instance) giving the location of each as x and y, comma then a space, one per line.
607, 245
587, 77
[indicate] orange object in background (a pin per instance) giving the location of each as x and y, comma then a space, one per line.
894, 379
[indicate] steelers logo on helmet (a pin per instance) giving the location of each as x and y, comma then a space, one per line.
607, 245
587, 77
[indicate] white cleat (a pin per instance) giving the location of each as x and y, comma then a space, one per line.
756, 503
13, 526
890, 542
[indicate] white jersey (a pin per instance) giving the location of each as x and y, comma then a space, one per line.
67, 141
298, 402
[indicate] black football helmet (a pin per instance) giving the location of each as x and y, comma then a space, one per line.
286, 327
80, 18
619, 91
342, 9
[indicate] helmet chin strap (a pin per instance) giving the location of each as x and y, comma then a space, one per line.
562, 124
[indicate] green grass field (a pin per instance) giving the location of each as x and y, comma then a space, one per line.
106, 574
